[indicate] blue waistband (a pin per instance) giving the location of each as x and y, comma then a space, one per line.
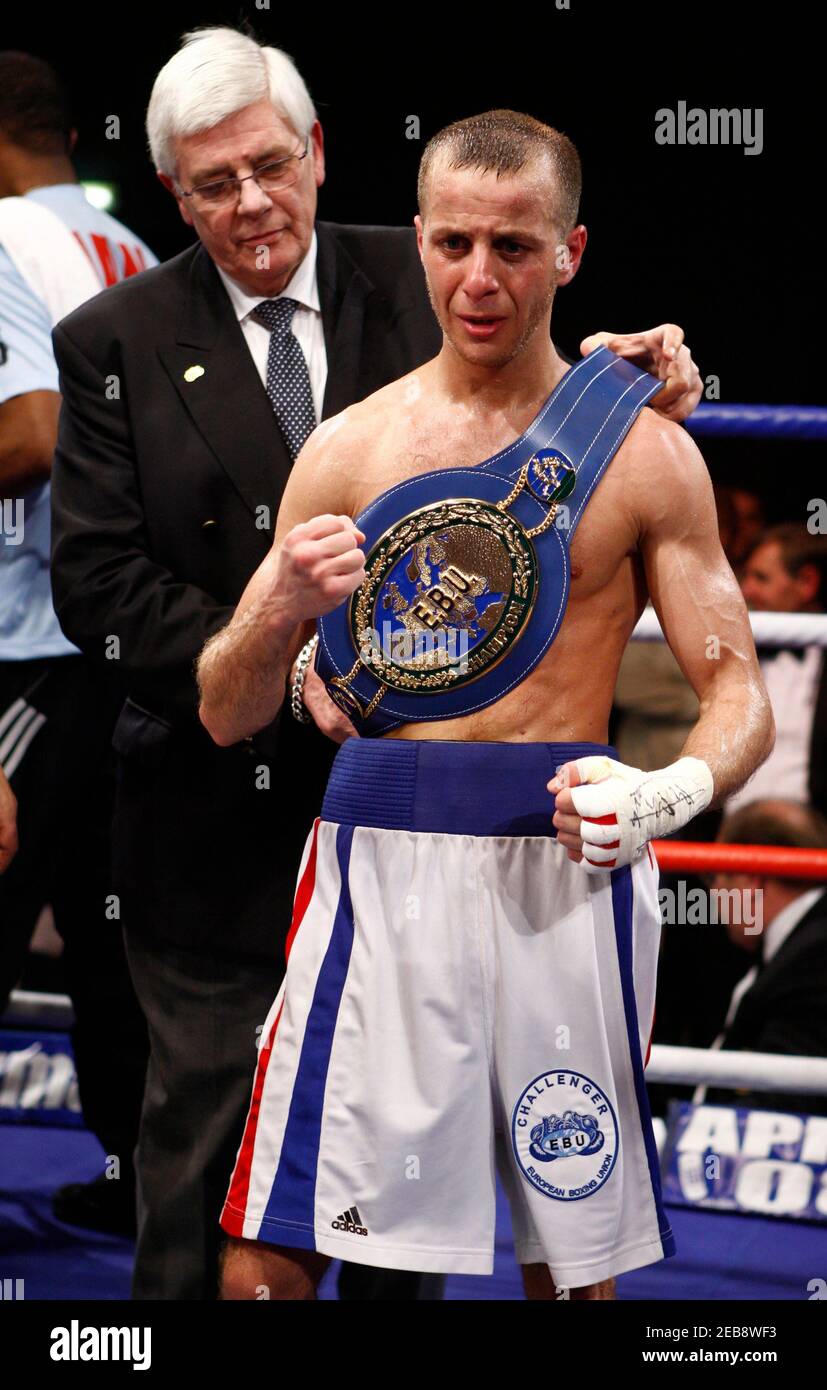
451, 788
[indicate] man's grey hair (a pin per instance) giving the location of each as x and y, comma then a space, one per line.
216, 72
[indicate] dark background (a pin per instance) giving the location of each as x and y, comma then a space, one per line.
730, 245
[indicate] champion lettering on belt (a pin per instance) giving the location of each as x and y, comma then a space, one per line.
350, 1221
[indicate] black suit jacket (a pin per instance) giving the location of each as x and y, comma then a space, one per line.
165, 494
165, 491
784, 1011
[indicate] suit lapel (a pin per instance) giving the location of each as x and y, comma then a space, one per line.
227, 401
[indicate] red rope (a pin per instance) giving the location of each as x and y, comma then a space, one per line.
684, 856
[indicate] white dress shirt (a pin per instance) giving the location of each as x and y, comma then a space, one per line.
792, 686
775, 935
306, 326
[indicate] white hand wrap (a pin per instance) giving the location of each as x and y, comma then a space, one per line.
622, 808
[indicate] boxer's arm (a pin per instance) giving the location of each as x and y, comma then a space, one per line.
704, 618
314, 563
700, 607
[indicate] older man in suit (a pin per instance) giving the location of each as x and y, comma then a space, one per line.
778, 1005
186, 399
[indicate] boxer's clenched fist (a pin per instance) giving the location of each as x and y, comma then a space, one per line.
318, 565
607, 812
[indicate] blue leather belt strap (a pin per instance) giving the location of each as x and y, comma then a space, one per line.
584, 420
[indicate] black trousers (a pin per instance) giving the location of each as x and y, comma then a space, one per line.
207, 845
57, 719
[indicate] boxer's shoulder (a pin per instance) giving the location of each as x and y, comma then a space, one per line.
364, 430
350, 452
660, 466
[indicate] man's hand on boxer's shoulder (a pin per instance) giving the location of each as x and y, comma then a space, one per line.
325, 715
8, 823
662, 352
316, 566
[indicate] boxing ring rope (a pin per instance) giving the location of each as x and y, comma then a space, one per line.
768, 629
711, 420
755, 1071
781, 861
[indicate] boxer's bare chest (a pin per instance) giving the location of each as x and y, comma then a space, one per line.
408, 443
607, 586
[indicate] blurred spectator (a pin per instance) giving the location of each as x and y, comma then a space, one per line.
785, 573
779, 1005
748, 522
56, 713
727, 517
655, 704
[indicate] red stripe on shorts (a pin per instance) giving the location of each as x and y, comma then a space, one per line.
235, 1206
651, 1035
304, 892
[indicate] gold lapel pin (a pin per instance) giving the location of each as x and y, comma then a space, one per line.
193, 373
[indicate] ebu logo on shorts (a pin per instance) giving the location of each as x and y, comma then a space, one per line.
565, 1135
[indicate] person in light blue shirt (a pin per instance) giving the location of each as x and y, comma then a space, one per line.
28, 626
56, 713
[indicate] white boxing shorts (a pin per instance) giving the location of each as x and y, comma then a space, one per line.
459, 996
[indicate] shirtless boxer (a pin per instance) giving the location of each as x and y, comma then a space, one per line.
456, 972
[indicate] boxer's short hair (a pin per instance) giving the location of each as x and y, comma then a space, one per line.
216, 72
504, 142
34, 106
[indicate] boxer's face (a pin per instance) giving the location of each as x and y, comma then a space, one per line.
257, 238
493, 258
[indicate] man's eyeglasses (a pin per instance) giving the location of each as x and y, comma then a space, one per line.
281, 173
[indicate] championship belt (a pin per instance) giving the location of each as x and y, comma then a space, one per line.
467, 569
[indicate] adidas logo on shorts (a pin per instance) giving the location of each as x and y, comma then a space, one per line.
350, 1221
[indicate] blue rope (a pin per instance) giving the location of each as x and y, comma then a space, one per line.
758, 421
